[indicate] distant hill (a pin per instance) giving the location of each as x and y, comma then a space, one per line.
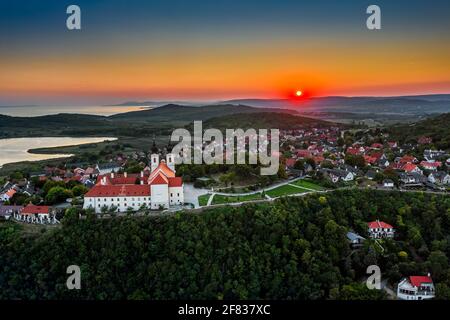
437, 128
264, 120
173, 112
411, 105
134, 124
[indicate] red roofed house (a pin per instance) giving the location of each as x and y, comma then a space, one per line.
411, 168
380, 230
159, 188
433, 166
34, 214
416, 288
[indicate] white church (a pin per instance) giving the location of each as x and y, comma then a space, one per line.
156, 187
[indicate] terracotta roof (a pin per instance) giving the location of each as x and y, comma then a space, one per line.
32, 209
175, 182
159, 179
164, 169
119, 191
379, 224
409, 167
417, 281
118, 179
431, 164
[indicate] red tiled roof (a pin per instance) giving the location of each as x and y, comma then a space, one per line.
118, 190
417, 281
431, 164
159, 179
32, 209
409, 167
175, 182
118, 179
379, 224
162, 167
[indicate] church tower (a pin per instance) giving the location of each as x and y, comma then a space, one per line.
170, 161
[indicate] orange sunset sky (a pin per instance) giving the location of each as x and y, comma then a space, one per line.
247, 56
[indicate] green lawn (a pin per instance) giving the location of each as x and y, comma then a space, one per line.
308, 184
219, 199
203, 199
284, 191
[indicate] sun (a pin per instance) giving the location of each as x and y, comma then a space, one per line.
298, 93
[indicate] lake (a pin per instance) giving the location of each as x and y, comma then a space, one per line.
16, 149
34, 111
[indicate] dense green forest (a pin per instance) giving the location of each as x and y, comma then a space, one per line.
294, 248
437, 128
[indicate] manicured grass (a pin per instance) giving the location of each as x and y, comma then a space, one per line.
308, 184
284, 191
203, 199
219, 199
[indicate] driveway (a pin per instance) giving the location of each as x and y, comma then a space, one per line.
191, 194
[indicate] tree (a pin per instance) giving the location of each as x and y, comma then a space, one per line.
57, 195
79, 190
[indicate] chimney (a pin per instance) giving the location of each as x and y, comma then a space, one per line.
112, 175
142, 182
142, 174
125, 174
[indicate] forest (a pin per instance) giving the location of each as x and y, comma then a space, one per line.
293, 248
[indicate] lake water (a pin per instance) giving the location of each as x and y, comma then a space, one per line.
16, 149
34, 111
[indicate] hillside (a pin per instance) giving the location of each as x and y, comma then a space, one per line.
293, 248
173, 112
438, 128
157, 121
264, 120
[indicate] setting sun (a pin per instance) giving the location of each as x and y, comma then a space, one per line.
298, 93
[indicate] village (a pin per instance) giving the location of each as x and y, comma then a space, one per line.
316, 160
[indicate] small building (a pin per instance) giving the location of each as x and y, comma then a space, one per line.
416, 288
34, 214
6, 212
380, 230
388, 183
355, 239
439, 177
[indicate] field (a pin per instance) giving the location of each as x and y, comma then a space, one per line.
285, 191
308, 185
219, 199
203, 199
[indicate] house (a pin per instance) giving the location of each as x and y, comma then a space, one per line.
431, 165
388, 183
108, 167
380, 230
7, 195
411, 168
7, 212
160, 189
432, 155
439, 177
338, 174
424, 140
412, 178
35, 214
416, 288
355, 239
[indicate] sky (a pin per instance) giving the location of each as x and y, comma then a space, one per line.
219, 49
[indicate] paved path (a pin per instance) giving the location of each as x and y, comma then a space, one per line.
191, 194
274, 186
210, 200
